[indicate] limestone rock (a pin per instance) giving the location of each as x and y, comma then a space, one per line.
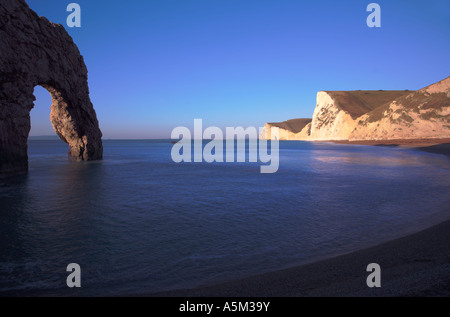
423, 114
375, 115
336, 112
35, 51
294, 129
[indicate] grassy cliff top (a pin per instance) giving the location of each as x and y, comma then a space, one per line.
358, 102
293, 125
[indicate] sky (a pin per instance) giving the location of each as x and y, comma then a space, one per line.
155, 65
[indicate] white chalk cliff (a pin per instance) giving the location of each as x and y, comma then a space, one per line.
373, 115
294, 129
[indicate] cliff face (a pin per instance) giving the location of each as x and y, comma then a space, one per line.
421, 114
34, 51
377, 115
329, 119
294, 129
336, 112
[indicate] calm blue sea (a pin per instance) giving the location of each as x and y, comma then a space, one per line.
139, 223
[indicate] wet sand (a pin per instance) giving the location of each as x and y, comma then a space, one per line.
437, 146
415, 265
440, 146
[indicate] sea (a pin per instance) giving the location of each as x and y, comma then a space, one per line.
137, 223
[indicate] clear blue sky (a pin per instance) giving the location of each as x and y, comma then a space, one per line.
158, 64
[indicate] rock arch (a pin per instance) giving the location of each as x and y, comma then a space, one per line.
35, 51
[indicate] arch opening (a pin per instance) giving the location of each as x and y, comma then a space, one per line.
41, 126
